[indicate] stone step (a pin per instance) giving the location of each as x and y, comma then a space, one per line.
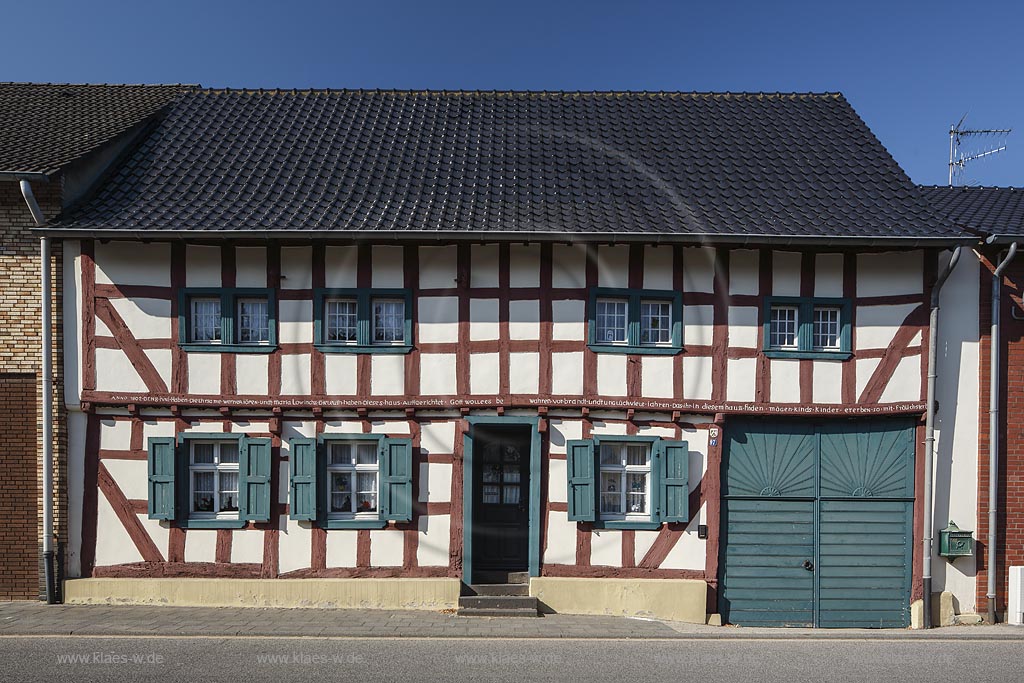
500, 576
478, 612
498, 589
498, 602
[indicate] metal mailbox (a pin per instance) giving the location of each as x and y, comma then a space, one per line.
955, 542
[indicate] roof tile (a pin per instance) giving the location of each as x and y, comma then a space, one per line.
44, 126
796, 165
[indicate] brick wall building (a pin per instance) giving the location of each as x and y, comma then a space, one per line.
1010, 497
61, 138
20, 389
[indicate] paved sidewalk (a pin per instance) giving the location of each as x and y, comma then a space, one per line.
36, 618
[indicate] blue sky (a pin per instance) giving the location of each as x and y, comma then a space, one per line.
909, 68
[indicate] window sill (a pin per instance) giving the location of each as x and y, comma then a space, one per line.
213, 524
353, 523
811, 355
638, 350
228, 348
352, 348
626, 524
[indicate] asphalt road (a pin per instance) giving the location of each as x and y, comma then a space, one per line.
296, 660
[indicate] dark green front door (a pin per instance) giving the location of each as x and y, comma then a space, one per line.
817, 521
501, 485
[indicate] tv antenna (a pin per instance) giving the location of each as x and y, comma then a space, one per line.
989, 141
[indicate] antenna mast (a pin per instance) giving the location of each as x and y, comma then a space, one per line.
992, 141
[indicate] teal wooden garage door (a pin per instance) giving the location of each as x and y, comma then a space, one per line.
817, 521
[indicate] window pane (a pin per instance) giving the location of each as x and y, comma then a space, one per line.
490, 494
511, 474
366, 492
202, 502
388, 321
611, 493
366, 454
637, 483
253, 321
229, 452
202, 491
341, 454
826, 328
228, 482
341, 319
366, 482
341, 482
610, 321
206, 320
637, 455
202, 454
228, 492
203, 481
510, 495
655, 322
341, 502
492, 474
610, 454
341, 492
783, 327
366, 502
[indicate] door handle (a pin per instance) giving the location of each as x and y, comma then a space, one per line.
808, 565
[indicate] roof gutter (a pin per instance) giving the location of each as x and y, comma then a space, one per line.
18, 176
515, 236
46, 336
993, 430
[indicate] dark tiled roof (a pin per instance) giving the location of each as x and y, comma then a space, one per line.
45, 126
738, 165
990, 210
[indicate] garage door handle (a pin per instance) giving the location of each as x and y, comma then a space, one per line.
808, 565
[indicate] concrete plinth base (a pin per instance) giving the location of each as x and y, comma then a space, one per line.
392, 593
672, 599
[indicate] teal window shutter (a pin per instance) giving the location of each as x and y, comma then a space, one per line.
396, 480
581, 480
303, 470
675, 488
161, 478
254, 484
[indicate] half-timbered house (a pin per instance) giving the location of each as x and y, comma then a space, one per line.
650, 353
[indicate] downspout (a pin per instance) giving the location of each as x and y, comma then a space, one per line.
49, 572
929, 438
993, 431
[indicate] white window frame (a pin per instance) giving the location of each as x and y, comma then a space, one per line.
218, 326
217, 467
353, 470
623, 470
238, 320
773, 333
327, 317
835, 323
400, 341
668, 329
625, 321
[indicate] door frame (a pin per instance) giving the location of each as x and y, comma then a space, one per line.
533, 535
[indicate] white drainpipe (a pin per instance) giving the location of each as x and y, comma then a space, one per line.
46, 332
993, 431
